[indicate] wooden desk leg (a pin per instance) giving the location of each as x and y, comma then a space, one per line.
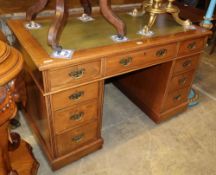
58, 25
32, 12
112, 18
87, 6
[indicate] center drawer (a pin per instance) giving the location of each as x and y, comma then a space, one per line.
139, 59
74, 96
71, 140
75, 116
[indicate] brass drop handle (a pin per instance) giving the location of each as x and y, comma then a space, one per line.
77, 117
182, 81
76, 96
161, 52
126, 61
77, 73
192, 45
187, 63
78, 138
178, 97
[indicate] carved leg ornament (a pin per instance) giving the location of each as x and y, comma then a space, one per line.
32, 12
86, 6
58, 25
112, 18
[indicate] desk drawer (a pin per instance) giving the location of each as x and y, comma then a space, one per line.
74, 96
176, 98
75, 74
76, 138
181, 81
75, 116
186, 64
138, 59
191, 46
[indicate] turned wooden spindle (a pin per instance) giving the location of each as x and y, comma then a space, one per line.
12, 152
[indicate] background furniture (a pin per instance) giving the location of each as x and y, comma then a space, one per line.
16, 157
66, 96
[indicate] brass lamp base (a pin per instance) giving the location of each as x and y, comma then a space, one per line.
156, 7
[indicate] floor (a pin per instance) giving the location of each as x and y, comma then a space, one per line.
134, 145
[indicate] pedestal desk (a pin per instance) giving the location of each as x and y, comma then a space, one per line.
65, 97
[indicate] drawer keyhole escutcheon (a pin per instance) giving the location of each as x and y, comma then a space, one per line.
77, 117
161, 52
76, 96
182, 81
177, 98
78, 138
192, 45
187, 63
126, 61
77, 73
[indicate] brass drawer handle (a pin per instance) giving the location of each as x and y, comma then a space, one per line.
161, 52
182, 81
192, 45
76, 96
177, 98
187, 63
77, 117
78, 138
77, 74
126, 61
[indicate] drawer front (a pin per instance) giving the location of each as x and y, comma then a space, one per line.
176, 98
75, 116
76, 138
191, 46
138, 59
75, 74
181, 81
186, 64
74, 96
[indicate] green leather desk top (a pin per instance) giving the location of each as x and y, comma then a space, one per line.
79, 35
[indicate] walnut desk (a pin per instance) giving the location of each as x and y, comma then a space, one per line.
65, 97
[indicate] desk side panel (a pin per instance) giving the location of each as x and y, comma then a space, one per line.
37, 114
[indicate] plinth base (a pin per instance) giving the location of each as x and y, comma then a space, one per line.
23, 161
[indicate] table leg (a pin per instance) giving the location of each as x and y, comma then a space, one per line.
112, 18
58, 25
87, 6
32, 12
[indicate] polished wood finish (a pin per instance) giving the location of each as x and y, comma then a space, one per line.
74, 75
76, 138
181, 81
110, 16
186, 64
32, 12
191, 46
125, 62
16, 157
75, 116
74, 96
149, 71
87, 6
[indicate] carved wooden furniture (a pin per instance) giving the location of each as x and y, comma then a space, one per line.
61, 17
15, 155
65, 97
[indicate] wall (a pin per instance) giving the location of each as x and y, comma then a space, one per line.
11, 6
